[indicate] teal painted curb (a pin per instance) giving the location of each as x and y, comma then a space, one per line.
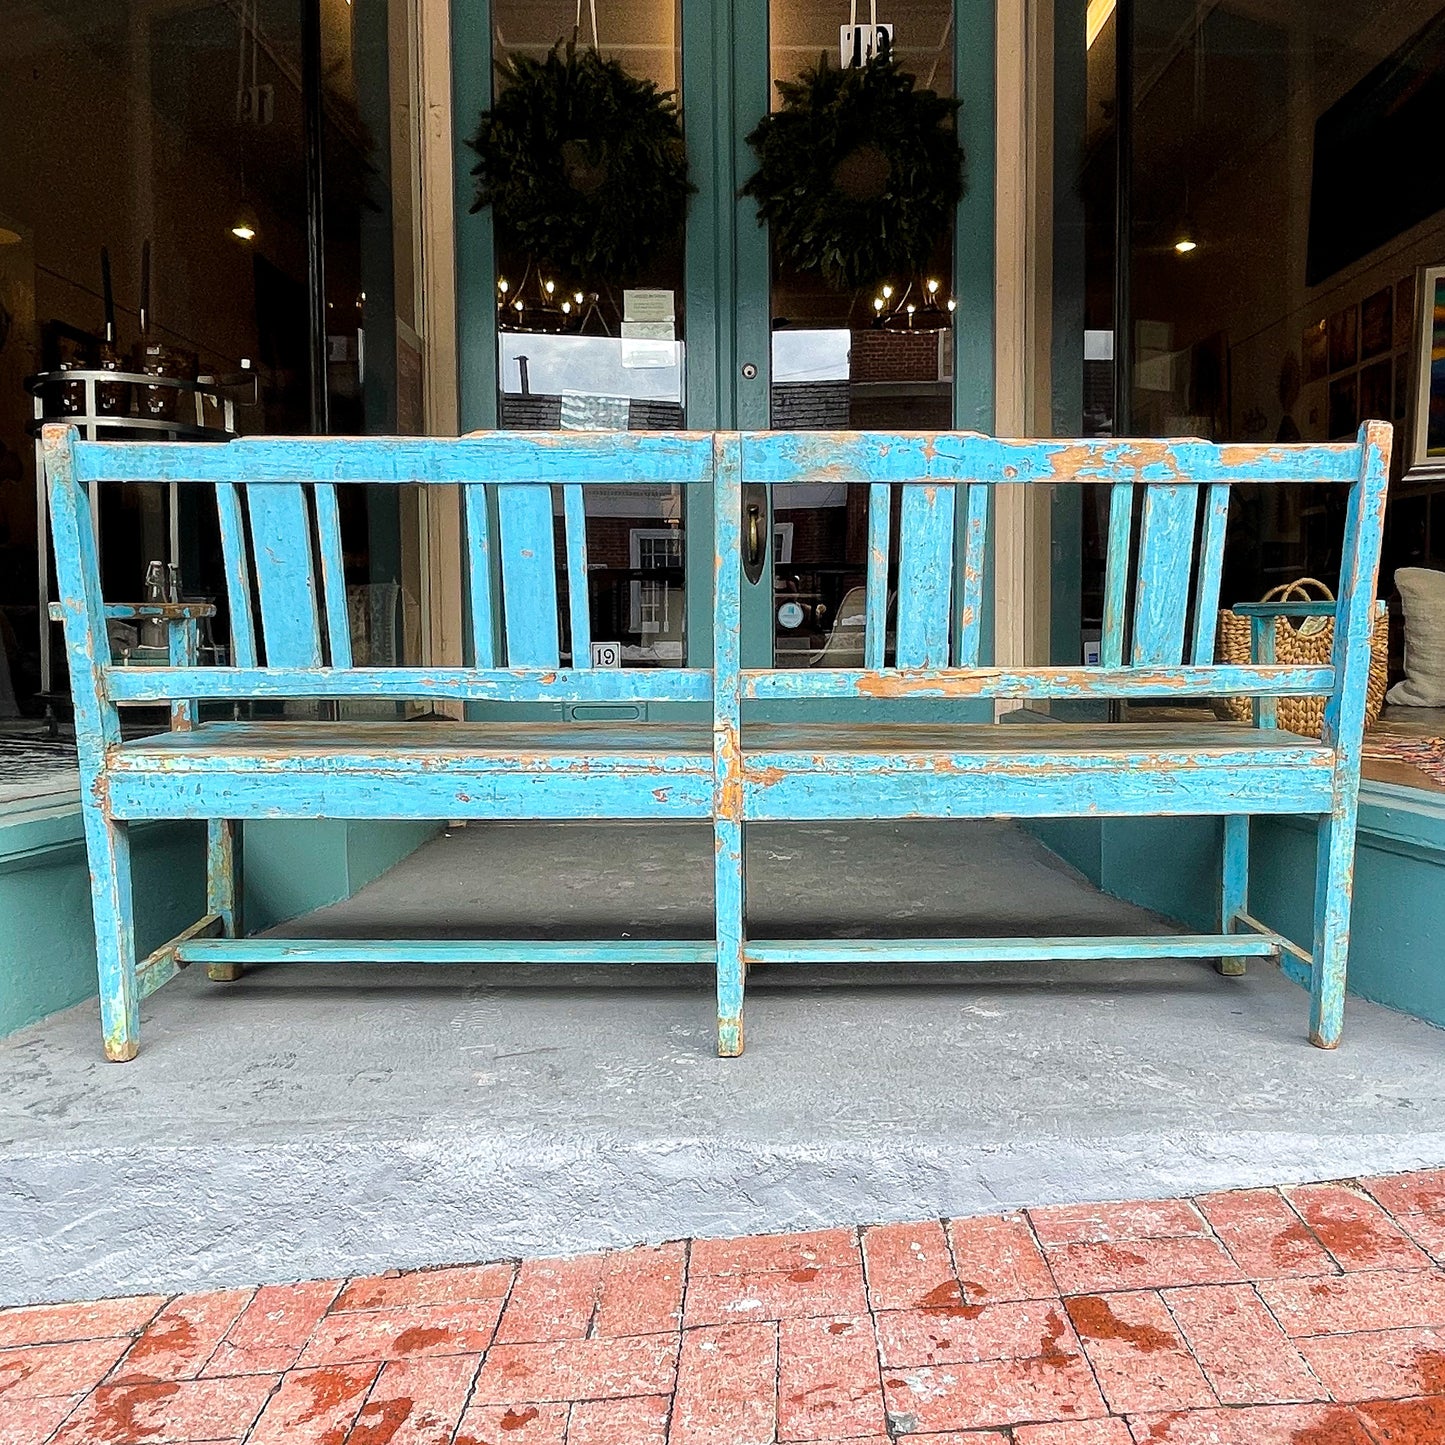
47, 948
1172, 865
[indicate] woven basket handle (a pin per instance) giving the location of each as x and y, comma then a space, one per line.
1287, 591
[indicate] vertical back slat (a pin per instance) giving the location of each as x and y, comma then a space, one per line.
479, 575
579, 609
285, 580
238, 575
333, 574
875, 594
1166, 562
529, 575
968, 627
1211, 570
925, 574
1116, 573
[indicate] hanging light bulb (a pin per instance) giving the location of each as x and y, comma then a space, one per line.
1184, 245
933, 288
245, 226
578, 297
887, 293
952, 304
502, 285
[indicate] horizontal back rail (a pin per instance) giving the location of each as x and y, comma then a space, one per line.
781, 458
516, 458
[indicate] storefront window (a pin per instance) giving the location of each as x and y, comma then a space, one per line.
586, 345
1278, 215
874, 356
135, 127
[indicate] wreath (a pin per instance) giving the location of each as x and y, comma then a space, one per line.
582, 164
858, 173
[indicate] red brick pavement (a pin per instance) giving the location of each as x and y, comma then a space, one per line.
1312, 1315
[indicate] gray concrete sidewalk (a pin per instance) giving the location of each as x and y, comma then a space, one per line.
312, 1121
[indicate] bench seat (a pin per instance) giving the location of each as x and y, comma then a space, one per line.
665, 770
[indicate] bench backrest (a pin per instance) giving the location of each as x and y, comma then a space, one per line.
1168, 511
279, 517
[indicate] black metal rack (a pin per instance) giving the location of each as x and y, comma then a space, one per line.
90, 399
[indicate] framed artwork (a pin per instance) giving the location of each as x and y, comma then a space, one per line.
1377, 316
1429, 438
1344, 406
1344, 338
1315, 349
1376, 391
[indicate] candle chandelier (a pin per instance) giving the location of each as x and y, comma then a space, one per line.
918, 307
549, 308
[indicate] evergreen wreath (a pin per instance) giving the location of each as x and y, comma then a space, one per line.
583, 164
858, 173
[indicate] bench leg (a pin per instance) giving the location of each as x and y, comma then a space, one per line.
1334, 886
221, 890
730, 915
1235, 898
112, 902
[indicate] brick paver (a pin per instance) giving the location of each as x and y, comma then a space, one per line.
1308, 1315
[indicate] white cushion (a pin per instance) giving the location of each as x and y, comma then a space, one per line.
1423, 592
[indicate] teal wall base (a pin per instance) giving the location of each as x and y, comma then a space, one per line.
1172, 865
47, 948
291, 866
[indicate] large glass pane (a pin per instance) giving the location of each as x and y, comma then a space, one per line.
181, 126
879, 356
603, 352
1280, 215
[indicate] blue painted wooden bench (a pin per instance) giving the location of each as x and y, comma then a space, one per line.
278, 512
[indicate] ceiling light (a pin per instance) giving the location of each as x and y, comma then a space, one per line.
1184, 246
245, 226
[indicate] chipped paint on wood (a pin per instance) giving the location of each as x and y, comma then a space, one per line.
732, 771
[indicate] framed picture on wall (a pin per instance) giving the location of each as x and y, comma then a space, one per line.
1377, 313
1344, 405
1429, 438
1376, 399
1344, 337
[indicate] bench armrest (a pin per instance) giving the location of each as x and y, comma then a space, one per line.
146, 611
1286, 609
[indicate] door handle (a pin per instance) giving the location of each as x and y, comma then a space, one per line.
755, 544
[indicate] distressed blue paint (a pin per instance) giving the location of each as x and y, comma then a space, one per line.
1061, 682
238, 574
481, 684
225, 772
818, 456
480, 611
1006, 950
333, 575
1211, 569
438, 950
1234, 881
969, 588
522, 458
925, 565
1116, 573
281, 548
529, 576
729, 881
1161, 585
578, 604
875, 630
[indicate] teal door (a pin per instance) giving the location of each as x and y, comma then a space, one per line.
756, 344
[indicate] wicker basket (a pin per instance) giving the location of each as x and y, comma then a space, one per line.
1306, 643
